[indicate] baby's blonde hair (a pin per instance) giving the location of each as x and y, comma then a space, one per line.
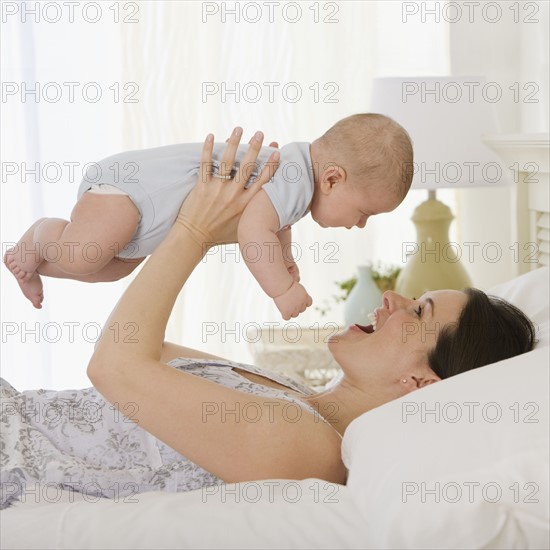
372, 148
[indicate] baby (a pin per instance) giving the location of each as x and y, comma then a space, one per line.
127, 203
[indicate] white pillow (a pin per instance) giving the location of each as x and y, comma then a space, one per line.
531, 293
396, 455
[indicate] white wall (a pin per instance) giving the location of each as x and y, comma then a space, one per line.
510, 50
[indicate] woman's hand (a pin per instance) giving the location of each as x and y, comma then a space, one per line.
213, 208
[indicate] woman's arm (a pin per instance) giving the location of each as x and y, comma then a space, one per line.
209, 215
173, 351
204, 421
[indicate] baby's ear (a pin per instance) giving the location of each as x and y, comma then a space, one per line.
334, 174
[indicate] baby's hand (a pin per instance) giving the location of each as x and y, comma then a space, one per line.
293, 302
294, 271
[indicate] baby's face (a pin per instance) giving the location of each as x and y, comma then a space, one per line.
348, 205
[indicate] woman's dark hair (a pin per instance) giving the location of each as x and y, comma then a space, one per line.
488, 330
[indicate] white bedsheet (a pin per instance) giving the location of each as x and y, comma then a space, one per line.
270, 514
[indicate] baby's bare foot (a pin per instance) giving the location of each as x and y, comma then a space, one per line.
10, 261
30, 283
32, 288
23, 259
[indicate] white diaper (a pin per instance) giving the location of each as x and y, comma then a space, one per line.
105, 189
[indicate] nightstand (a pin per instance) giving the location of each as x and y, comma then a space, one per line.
298, 352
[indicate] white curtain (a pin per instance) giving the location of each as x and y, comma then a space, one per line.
53, 133
173, 54
219, 49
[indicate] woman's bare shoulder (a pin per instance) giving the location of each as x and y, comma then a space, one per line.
320, 446
283, 442
297, 445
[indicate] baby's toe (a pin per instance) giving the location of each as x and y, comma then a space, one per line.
19, 273
7, 256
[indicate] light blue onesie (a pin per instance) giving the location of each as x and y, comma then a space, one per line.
158, 180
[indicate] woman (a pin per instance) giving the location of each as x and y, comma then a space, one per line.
214, 421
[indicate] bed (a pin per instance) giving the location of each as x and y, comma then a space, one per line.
459, 464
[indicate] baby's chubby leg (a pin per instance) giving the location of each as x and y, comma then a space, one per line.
100, 227
115, 270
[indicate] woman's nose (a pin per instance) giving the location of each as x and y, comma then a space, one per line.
392, 300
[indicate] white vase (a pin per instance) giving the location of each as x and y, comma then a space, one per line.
364, 297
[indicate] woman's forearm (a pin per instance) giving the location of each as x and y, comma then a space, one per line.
137, 325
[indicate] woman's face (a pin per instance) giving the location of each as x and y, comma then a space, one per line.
393, 358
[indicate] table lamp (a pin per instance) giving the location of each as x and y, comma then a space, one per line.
445, 118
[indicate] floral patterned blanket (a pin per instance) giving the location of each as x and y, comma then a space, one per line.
74, 440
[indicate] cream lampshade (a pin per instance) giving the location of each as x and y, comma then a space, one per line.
446, 118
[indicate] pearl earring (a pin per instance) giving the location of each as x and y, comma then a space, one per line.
404, 380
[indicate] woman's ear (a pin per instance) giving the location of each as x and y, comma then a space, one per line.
427, 380
420, 374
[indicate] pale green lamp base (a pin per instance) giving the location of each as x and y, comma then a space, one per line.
433, 262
